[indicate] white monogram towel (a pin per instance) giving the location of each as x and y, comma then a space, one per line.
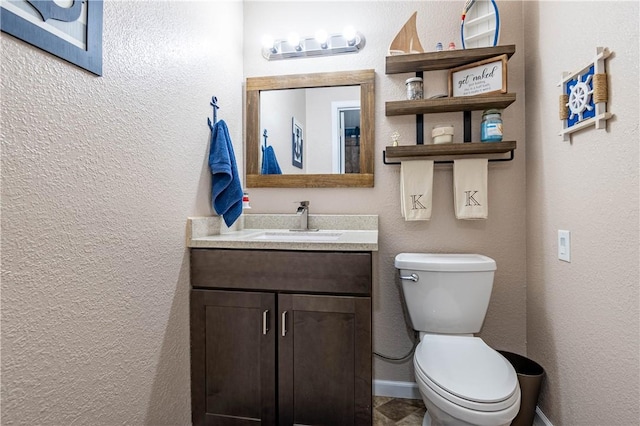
470, 188
416, 189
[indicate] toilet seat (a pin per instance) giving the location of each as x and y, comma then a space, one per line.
466, 372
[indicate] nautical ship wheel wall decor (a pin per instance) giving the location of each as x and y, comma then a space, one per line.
584, 97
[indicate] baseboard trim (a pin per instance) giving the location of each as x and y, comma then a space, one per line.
406, 390
540, 419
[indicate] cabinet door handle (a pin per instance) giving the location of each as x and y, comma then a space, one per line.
265, 322
284, 323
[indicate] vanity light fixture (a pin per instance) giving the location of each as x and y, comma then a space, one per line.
323, 44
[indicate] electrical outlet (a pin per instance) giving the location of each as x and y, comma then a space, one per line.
564, 245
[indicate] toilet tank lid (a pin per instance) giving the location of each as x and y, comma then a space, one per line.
445, 262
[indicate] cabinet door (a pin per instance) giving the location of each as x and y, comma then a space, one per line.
233, 358
324, 360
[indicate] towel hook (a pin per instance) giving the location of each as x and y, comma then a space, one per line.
214, 104
264, 134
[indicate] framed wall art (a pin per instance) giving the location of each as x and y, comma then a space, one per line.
73, 32
297, 143
585, 93
479, 78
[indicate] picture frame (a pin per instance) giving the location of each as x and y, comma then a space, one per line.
297, 143
72, 33
585, 93
485, 77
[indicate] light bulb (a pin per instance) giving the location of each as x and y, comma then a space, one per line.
321, 38
349, 34
294, 40
268, 43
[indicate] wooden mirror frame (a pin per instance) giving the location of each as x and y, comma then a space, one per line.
365, 79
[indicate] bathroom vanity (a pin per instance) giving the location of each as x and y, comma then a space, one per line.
281, 322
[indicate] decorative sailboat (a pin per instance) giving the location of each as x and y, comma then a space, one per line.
407, 40
480, 26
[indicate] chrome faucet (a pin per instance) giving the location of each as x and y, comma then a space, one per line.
303, 212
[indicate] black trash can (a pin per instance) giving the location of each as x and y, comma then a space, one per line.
530, 375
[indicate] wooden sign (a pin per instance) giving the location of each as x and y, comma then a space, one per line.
479, 78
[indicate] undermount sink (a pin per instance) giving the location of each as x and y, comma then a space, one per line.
296, 236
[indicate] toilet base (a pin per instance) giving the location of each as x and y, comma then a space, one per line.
426, 421
438, 417
441, 418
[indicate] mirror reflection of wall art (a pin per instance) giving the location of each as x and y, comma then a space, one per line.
297, 143
70, 29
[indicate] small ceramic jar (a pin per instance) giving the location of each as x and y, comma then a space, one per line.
442, 133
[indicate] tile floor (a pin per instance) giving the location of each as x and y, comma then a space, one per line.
389, 411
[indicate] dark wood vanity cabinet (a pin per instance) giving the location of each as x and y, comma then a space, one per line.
280, 337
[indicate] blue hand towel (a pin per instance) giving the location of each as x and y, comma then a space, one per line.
270, 164
226, 191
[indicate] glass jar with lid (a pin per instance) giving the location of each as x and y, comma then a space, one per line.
414, 88
491, 127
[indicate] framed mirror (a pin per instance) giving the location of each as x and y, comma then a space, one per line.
307, 151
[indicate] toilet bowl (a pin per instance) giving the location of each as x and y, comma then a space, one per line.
461, 379
463, 382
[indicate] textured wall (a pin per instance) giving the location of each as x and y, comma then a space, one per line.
502, 236
582, 317
98, 177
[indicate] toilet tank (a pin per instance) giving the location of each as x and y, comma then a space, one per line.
452, 291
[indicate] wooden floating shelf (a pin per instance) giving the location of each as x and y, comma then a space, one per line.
450, 104
445, 59
405, 151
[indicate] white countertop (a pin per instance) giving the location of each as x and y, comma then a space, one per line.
336, 233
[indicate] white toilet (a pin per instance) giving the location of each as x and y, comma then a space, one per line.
462, 380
